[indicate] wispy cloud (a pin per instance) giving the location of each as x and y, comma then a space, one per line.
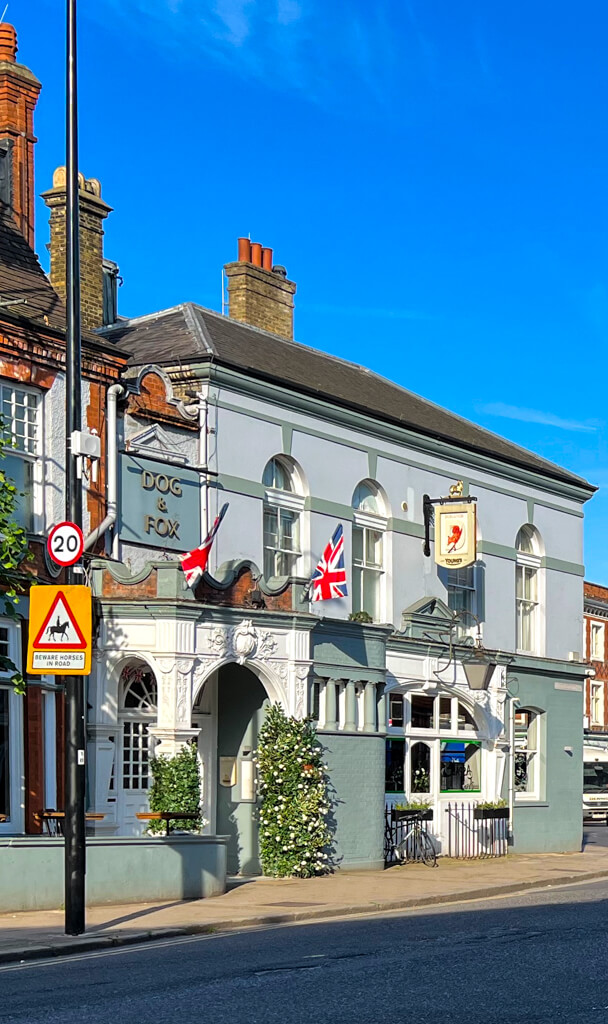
546, 419
330, 52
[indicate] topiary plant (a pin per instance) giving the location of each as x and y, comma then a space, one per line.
294, 834
176, 786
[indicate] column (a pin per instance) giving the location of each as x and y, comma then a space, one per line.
331, 708
369, 707
381, 708
350, 716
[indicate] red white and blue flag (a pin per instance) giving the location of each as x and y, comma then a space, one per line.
195, 562
329, 578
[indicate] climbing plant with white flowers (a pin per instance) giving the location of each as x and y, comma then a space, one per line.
294, 834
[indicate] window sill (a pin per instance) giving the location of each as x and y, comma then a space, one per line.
531, 802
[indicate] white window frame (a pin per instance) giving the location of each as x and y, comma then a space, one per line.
525, 565
33, 450
532, 747
596, 697
597, 640
145, 717
15, 822
277, 500
378, 523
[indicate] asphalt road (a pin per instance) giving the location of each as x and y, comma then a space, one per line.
595, 835
538, 957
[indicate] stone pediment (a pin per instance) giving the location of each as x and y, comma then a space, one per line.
427, 618
156, 443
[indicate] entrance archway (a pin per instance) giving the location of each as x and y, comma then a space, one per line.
229, 711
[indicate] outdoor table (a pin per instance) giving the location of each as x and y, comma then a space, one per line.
53, 820
167, 816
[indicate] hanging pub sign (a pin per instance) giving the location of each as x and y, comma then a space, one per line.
455, 535
455, 528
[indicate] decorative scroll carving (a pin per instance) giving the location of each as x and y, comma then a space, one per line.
242, 642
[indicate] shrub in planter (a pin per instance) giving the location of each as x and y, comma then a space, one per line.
176, 786
294, 834
415, 808
488, 809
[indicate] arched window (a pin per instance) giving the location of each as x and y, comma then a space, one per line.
369, 526
283, 507
420, 768
527, 754
527, 586
138, 708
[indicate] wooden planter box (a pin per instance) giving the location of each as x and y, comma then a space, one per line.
489, 813
406, 815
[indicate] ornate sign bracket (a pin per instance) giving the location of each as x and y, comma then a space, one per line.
428, 511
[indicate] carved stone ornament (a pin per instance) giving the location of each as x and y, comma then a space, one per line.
481, 697
242, 642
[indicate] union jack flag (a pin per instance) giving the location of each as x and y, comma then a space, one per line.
329, 578
194, 562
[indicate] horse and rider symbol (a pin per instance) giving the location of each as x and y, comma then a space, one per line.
59, 630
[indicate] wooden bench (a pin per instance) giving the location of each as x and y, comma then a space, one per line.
53, 820
167, 816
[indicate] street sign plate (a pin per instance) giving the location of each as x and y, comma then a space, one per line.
65, 543
59, 641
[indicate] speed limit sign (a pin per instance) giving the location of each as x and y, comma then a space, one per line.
65, 543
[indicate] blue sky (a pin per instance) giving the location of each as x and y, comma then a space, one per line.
432, 175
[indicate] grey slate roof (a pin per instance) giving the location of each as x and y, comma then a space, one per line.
185, 332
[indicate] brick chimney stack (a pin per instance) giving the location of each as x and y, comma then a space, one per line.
93, 212
258, 292
19, 91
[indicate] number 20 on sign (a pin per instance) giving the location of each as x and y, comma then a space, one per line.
65, 543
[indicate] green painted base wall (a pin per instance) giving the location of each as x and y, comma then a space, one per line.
356, 775
556, 827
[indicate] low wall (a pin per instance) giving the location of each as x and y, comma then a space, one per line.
119, 870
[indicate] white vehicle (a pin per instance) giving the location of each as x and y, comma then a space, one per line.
595, 784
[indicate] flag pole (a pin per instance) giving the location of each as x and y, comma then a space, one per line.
74, 685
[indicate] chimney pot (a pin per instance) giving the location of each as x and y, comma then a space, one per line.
267, 258
244, 250
256, 254
279, 270
8, 43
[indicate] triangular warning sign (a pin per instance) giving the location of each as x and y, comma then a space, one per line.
60, 631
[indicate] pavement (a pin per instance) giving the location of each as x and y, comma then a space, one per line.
256, 902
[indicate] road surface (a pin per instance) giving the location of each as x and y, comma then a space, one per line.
539, 957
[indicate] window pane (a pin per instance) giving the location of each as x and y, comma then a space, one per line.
357, 544
460, 767
371, 586
395, 711
394, 773
422, 712
270, 528
465, 719
445, 713
373, 548
21, 473
420, 772
366, 499
5, 807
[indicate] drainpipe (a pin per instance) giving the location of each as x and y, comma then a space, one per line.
114, 391
511, 765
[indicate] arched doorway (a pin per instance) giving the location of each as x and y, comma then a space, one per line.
137, 711
229, 711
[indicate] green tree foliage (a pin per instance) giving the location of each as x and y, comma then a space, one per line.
176, 786
294, 834
13, 554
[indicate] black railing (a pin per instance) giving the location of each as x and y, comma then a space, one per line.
473, 833
396, 828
